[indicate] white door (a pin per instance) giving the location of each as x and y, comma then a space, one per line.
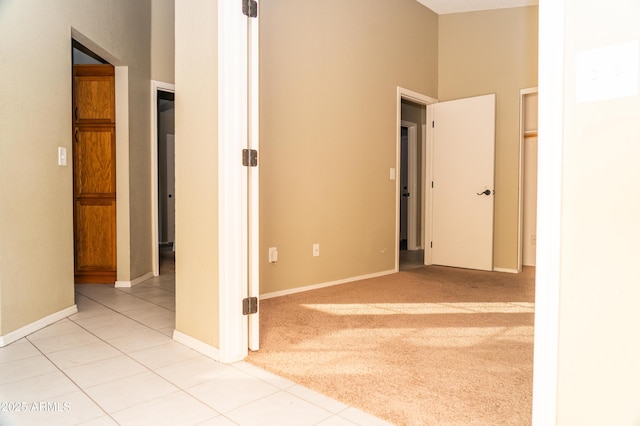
463, 182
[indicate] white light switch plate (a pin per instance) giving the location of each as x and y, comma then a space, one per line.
62, 156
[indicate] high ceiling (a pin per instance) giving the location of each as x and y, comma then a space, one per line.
442, 7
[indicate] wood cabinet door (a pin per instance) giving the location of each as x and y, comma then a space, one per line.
94, 94
94, 174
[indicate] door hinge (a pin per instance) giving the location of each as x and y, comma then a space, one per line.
432, 184
431, 244
249, 305
250, 8
433, 124
249, 157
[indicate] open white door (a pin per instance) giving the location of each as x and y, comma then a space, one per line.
463, 182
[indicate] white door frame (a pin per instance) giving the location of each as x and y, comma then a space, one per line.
523, 94
420, 99
238, 128
551, 81
254, 179
412, 182
155, 252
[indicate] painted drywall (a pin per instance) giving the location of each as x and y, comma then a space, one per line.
598, 349
196, 157
328, 77
36, 214
162, 40
494, 52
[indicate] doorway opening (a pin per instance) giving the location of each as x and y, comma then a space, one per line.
528, 177
410, 175
163, 176
94, 167
412, 195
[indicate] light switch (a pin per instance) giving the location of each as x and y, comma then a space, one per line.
273, 254
608, 72
392, 173
62, 156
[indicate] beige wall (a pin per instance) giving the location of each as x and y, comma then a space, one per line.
493, 52
196, 106
36, 214
328, 77
162, 40
599, 352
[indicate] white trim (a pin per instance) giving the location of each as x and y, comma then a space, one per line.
12, 336
402, 93
123, 206
523, 93
412, 182
197, 345
254, 180
323, 285
425, 172
232, 180
551, 62
507, 270
155, 251
142, 278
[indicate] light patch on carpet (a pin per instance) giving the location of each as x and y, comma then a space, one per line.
423, 308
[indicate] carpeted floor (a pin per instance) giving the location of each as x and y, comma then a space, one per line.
430, 346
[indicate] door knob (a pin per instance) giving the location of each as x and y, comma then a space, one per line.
485, 192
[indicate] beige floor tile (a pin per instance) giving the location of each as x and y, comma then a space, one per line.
17, 350
193, 371
177, 408
104, 371
81, 355
129, 391
163, 355
281, 409
24, 368
230, 391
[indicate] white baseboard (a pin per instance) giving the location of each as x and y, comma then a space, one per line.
510, 271
322, 285
36, 325
121, 284
197, 345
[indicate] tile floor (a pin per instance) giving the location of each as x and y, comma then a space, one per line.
115, 363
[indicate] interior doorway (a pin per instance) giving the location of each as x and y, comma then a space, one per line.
528, 177
411, 174
94, 167
163, 175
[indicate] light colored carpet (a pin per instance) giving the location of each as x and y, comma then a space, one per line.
430, 346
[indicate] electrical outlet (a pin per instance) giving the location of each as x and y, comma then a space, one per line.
316, 250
